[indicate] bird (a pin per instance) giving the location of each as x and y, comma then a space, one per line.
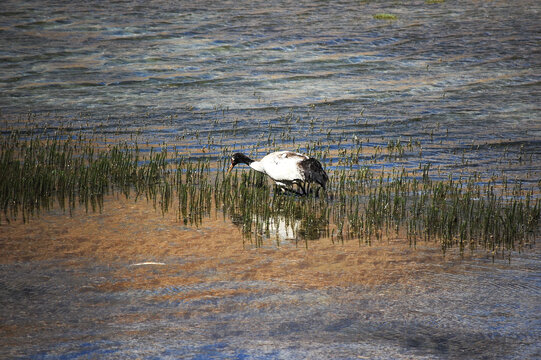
287, 168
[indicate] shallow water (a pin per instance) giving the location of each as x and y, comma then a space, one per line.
460, 78
459, 73
440, 316
80, 288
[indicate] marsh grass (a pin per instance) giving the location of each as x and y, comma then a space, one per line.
40, 171
385, 16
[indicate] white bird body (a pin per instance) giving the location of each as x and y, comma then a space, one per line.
286, 168
281, 166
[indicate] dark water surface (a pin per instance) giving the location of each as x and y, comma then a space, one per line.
462, 78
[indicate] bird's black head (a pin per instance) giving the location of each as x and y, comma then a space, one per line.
239, 158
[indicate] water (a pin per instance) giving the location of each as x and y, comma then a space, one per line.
74, 287
461, 78
441, 316
471, 69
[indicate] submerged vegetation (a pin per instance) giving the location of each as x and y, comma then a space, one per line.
39, 171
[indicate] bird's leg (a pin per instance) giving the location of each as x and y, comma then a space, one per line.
299, 187
304, 188
285, 188
293, 191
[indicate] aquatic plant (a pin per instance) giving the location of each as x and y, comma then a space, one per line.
385, 16
39, 171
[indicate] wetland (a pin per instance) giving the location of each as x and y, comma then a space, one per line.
123, 236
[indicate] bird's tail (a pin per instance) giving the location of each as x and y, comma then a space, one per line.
313, 172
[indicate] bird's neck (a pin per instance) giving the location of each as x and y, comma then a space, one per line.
245, 159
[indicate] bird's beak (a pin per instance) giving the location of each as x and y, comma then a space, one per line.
230, 168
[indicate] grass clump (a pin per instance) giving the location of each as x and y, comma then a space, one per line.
364, 205
36, 173
39, 172
385, 16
